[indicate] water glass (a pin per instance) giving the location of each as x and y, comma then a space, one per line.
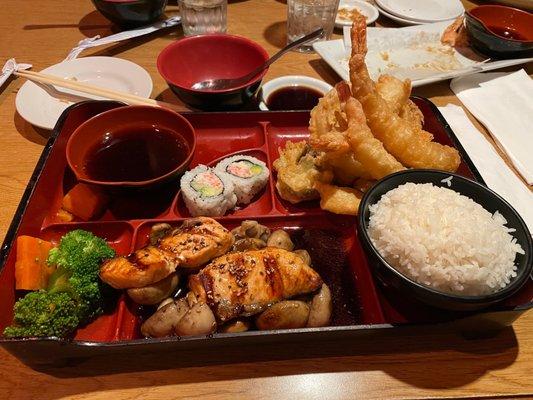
203, 16
305, 16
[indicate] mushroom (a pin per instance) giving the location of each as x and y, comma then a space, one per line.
163, 321
235, 326
280, 239
168, 300
158, 231
248, 244
251, 229
156, 292
321, 306
304, 254
198, 320
284, 315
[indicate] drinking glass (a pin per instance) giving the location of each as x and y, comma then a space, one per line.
203, 16
305, 16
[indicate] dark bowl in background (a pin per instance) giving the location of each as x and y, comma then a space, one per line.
488, 199
122, 119
486, 26
197, 58
131, 13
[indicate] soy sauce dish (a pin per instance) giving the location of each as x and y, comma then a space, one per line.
131, 147
293, 92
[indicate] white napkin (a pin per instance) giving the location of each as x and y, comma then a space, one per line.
503, 103
144, 30
497, 175
9, 67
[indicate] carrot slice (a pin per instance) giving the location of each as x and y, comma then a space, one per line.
31, 270
84, 201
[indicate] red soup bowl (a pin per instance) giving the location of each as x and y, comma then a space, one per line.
131, 147
131, 13
500, 32
214, 56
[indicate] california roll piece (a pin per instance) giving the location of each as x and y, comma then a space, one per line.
207, 192
248, 174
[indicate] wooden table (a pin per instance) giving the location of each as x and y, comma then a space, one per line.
415, 364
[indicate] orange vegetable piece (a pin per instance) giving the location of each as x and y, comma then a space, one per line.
31, 270
64, 215
84, 201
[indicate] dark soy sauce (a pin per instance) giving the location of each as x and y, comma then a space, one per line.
507, 33
136, 155
293, 98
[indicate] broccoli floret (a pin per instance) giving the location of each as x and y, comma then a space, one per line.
74, 294
44, 314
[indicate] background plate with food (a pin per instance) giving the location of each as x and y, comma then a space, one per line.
345, 14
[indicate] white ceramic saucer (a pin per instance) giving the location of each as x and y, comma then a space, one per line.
400, 21
42, 108
368, 10
290, 80
423, 11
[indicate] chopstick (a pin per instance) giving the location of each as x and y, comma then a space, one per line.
95, 90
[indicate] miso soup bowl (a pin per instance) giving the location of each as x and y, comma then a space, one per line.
92, 132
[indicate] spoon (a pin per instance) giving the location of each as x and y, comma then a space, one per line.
221, 84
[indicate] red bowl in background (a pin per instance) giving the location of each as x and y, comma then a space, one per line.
131, 13
500, 31
197, 58
97, 131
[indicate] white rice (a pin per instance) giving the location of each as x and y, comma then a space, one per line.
444, 240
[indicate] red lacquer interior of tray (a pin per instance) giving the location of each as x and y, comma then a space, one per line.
330, 239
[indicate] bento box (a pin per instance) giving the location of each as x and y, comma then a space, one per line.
362, 307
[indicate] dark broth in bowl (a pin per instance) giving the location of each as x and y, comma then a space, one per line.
507, 33
293, 98
136, 155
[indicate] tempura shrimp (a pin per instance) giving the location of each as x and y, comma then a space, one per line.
400, 138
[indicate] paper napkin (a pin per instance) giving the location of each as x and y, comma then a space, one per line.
503, 103
493, 169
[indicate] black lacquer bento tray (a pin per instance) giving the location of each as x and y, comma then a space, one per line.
362, 308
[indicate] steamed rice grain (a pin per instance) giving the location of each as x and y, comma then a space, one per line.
444, 240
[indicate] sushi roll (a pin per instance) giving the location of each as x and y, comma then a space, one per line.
248, 174
207, 192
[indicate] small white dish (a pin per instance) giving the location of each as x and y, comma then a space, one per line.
43, 108
290, 80
399, 20
368, 10
425, 11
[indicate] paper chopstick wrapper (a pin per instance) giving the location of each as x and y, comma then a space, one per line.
9, 67
493, 169
97, 41
503, 103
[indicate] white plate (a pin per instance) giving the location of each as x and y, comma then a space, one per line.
422, 10
399, 20
414, 52
42, 109
290, 80
368, 10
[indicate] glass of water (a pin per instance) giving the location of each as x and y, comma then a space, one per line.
305, 16
203, 16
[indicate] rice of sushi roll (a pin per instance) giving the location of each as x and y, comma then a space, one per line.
207, 192
248, 174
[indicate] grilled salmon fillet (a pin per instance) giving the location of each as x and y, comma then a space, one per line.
194, 243
245, 283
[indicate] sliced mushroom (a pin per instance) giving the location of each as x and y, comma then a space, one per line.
284, 315
156, 292
191, 299
280, 239
248, 244
198, 320
168, 300
304, 254
235, 326
163, 321
251, 229
158, 231
321, 305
